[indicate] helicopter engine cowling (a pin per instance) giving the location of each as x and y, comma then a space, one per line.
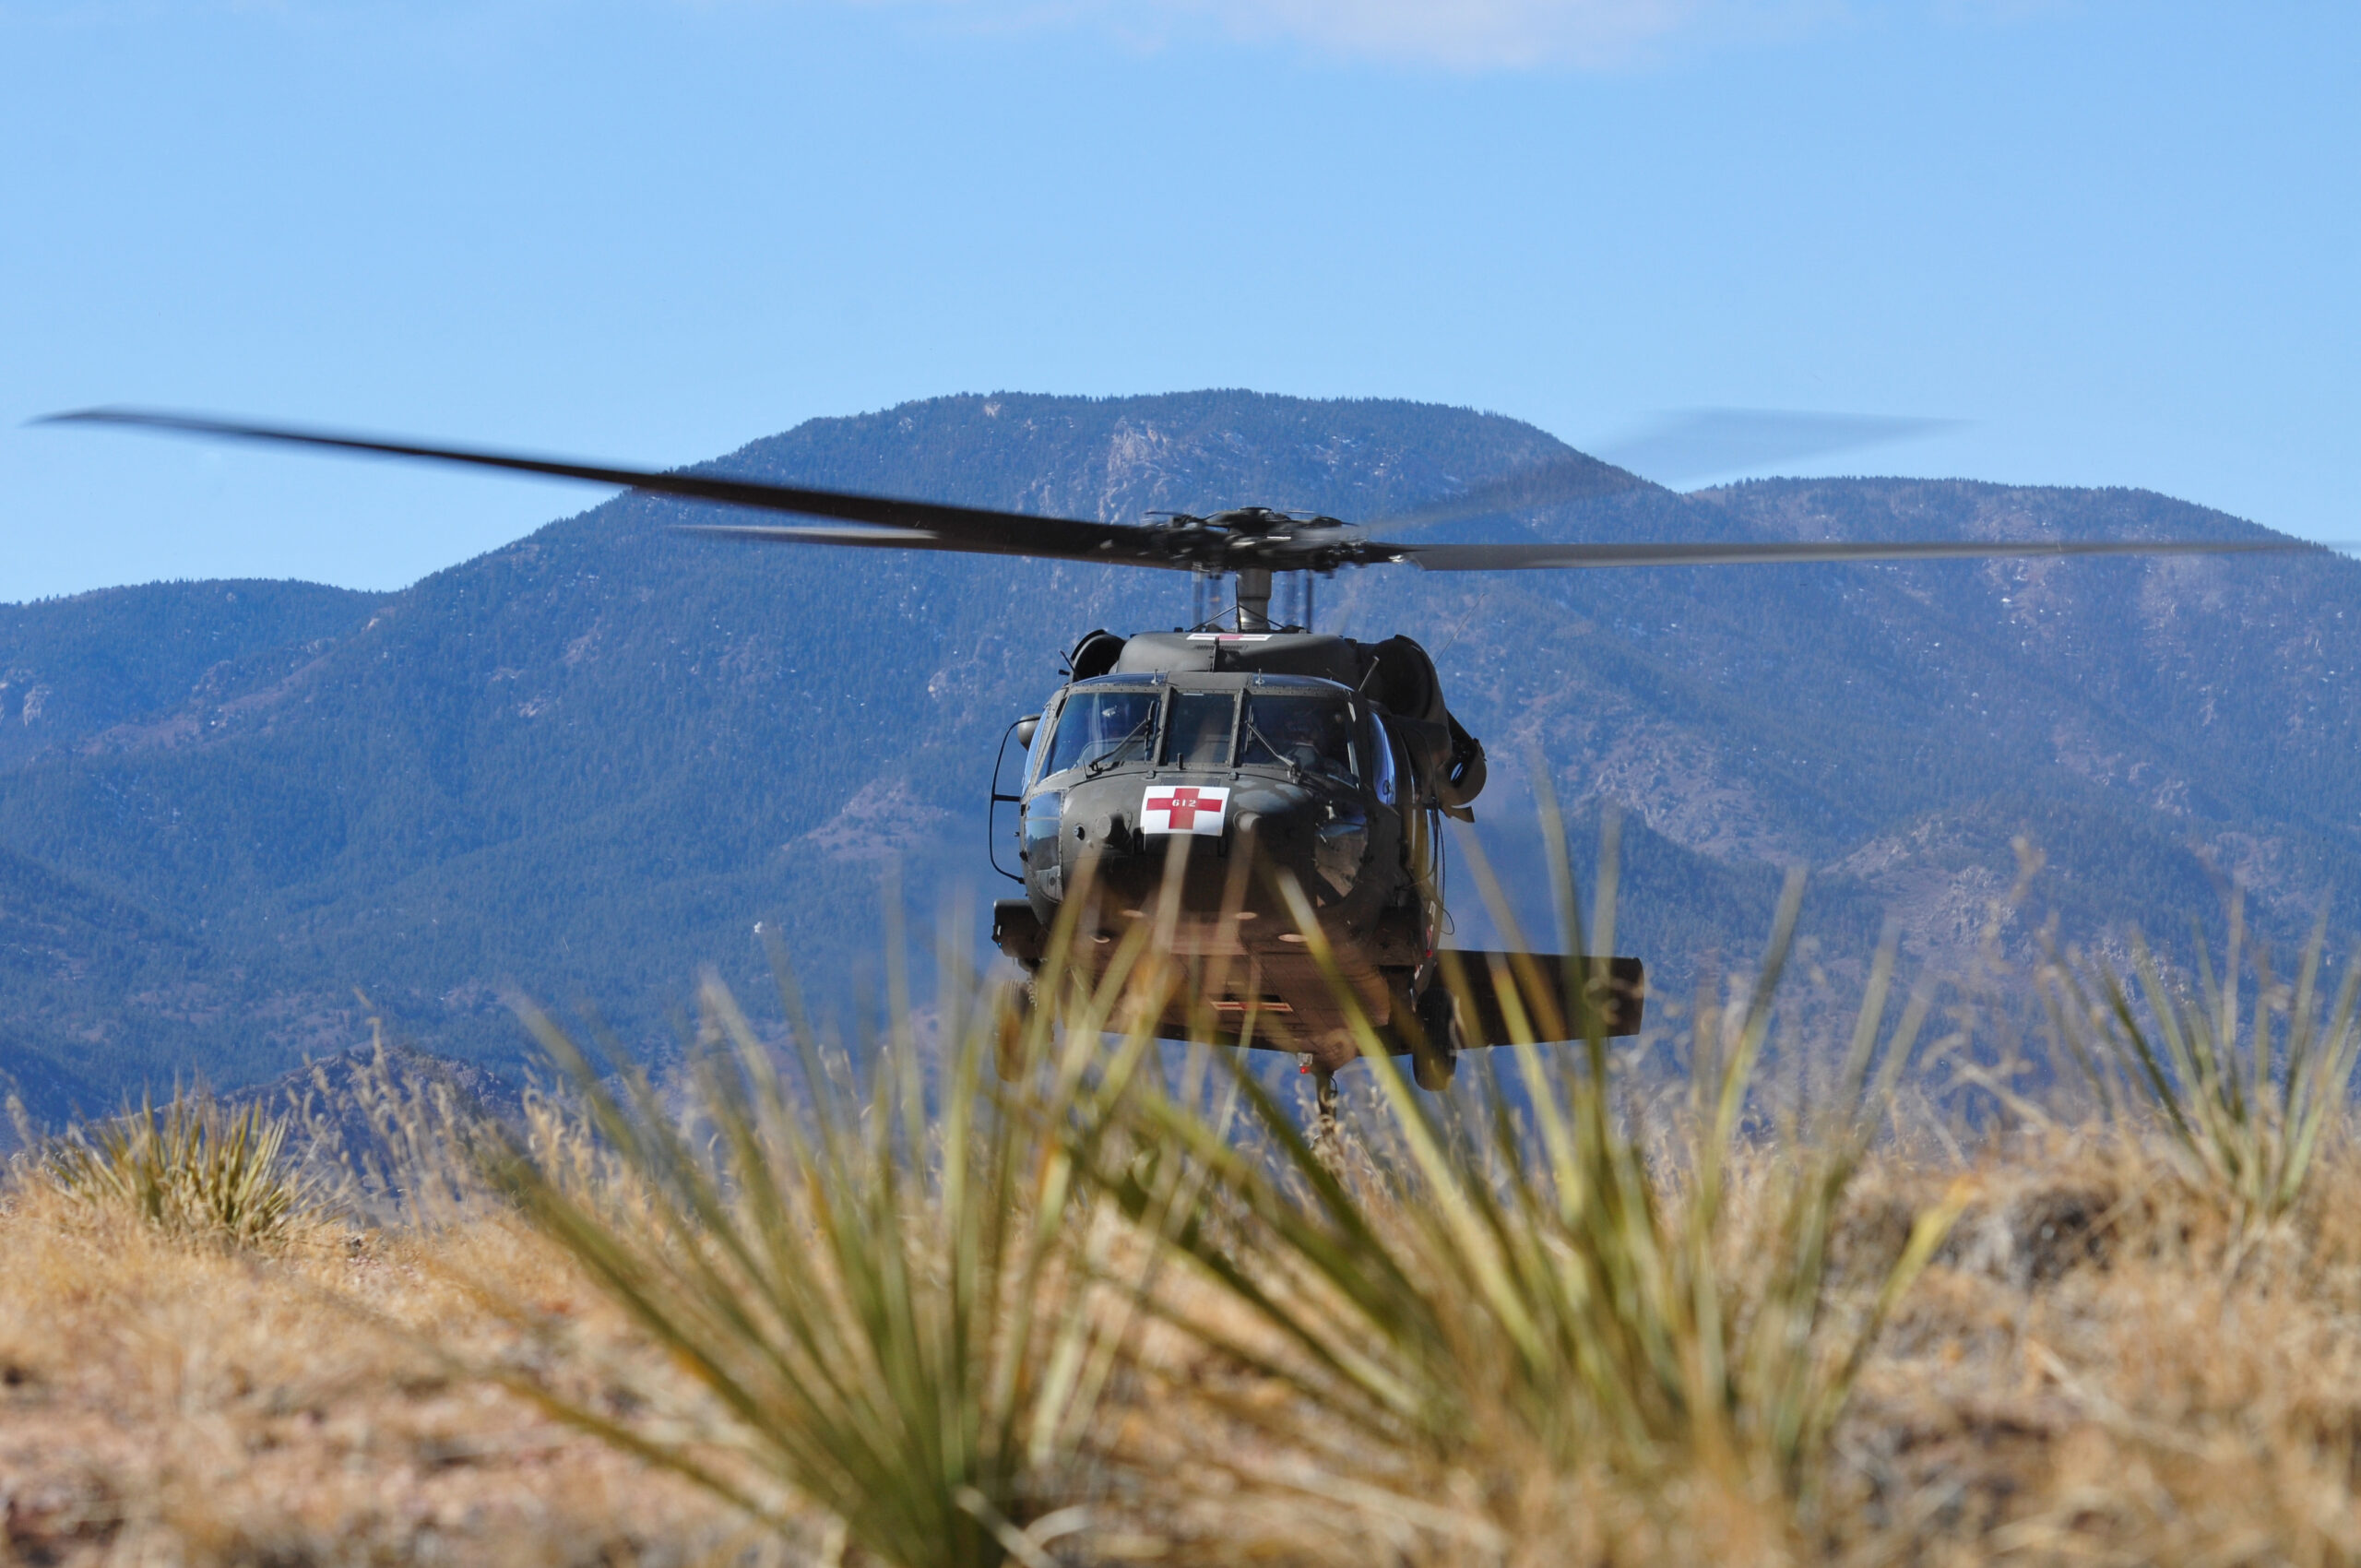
1448, 760
1401, 674
1461, 777
1095, 655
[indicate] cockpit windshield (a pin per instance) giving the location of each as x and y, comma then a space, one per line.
1197, 735
1098, 729
1313, 733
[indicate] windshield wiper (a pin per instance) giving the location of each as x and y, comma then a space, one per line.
1114, 754
1295, 768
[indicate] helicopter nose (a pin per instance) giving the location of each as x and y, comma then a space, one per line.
1272, 818
1312, 837
1108, 832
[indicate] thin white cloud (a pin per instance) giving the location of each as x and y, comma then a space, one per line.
1461, 35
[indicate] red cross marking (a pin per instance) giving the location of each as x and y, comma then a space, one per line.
1184, 805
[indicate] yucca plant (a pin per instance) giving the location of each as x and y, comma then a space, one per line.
892, 1297
193, 1169
2242, 1096
1497, 1275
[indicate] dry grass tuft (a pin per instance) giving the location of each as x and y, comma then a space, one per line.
1510, 1284
891, 1301
2240, 1101
195, 1171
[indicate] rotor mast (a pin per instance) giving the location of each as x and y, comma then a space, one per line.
1254, 598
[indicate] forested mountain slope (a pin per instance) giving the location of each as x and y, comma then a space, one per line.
73, 668
586, 762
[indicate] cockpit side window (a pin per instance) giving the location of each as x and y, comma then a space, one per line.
1197, 732
1100, 729
1309, 733
1038, 754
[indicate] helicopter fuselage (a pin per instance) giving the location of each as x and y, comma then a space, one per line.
1212, 770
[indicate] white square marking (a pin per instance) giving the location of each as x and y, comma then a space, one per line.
1183, 808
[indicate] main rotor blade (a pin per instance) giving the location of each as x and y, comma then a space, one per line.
1574, 477
778, 533
962, 527
880, 539
1527, 557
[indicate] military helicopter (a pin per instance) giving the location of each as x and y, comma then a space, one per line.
1240, 755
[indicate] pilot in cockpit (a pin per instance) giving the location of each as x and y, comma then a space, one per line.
1312, 734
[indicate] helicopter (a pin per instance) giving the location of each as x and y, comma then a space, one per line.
1241, 779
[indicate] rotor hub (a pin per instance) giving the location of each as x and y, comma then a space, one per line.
1244, 539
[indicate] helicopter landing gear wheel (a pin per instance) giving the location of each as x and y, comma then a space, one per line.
1434, 1054
1324, 1107
1012, 1023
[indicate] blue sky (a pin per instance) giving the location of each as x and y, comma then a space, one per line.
2116, 241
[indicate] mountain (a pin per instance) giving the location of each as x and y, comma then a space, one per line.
585, 763
95, 668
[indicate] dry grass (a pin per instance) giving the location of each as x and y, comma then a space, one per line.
164, 1401
2242, 1098
1119, 1310
2099, 1366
